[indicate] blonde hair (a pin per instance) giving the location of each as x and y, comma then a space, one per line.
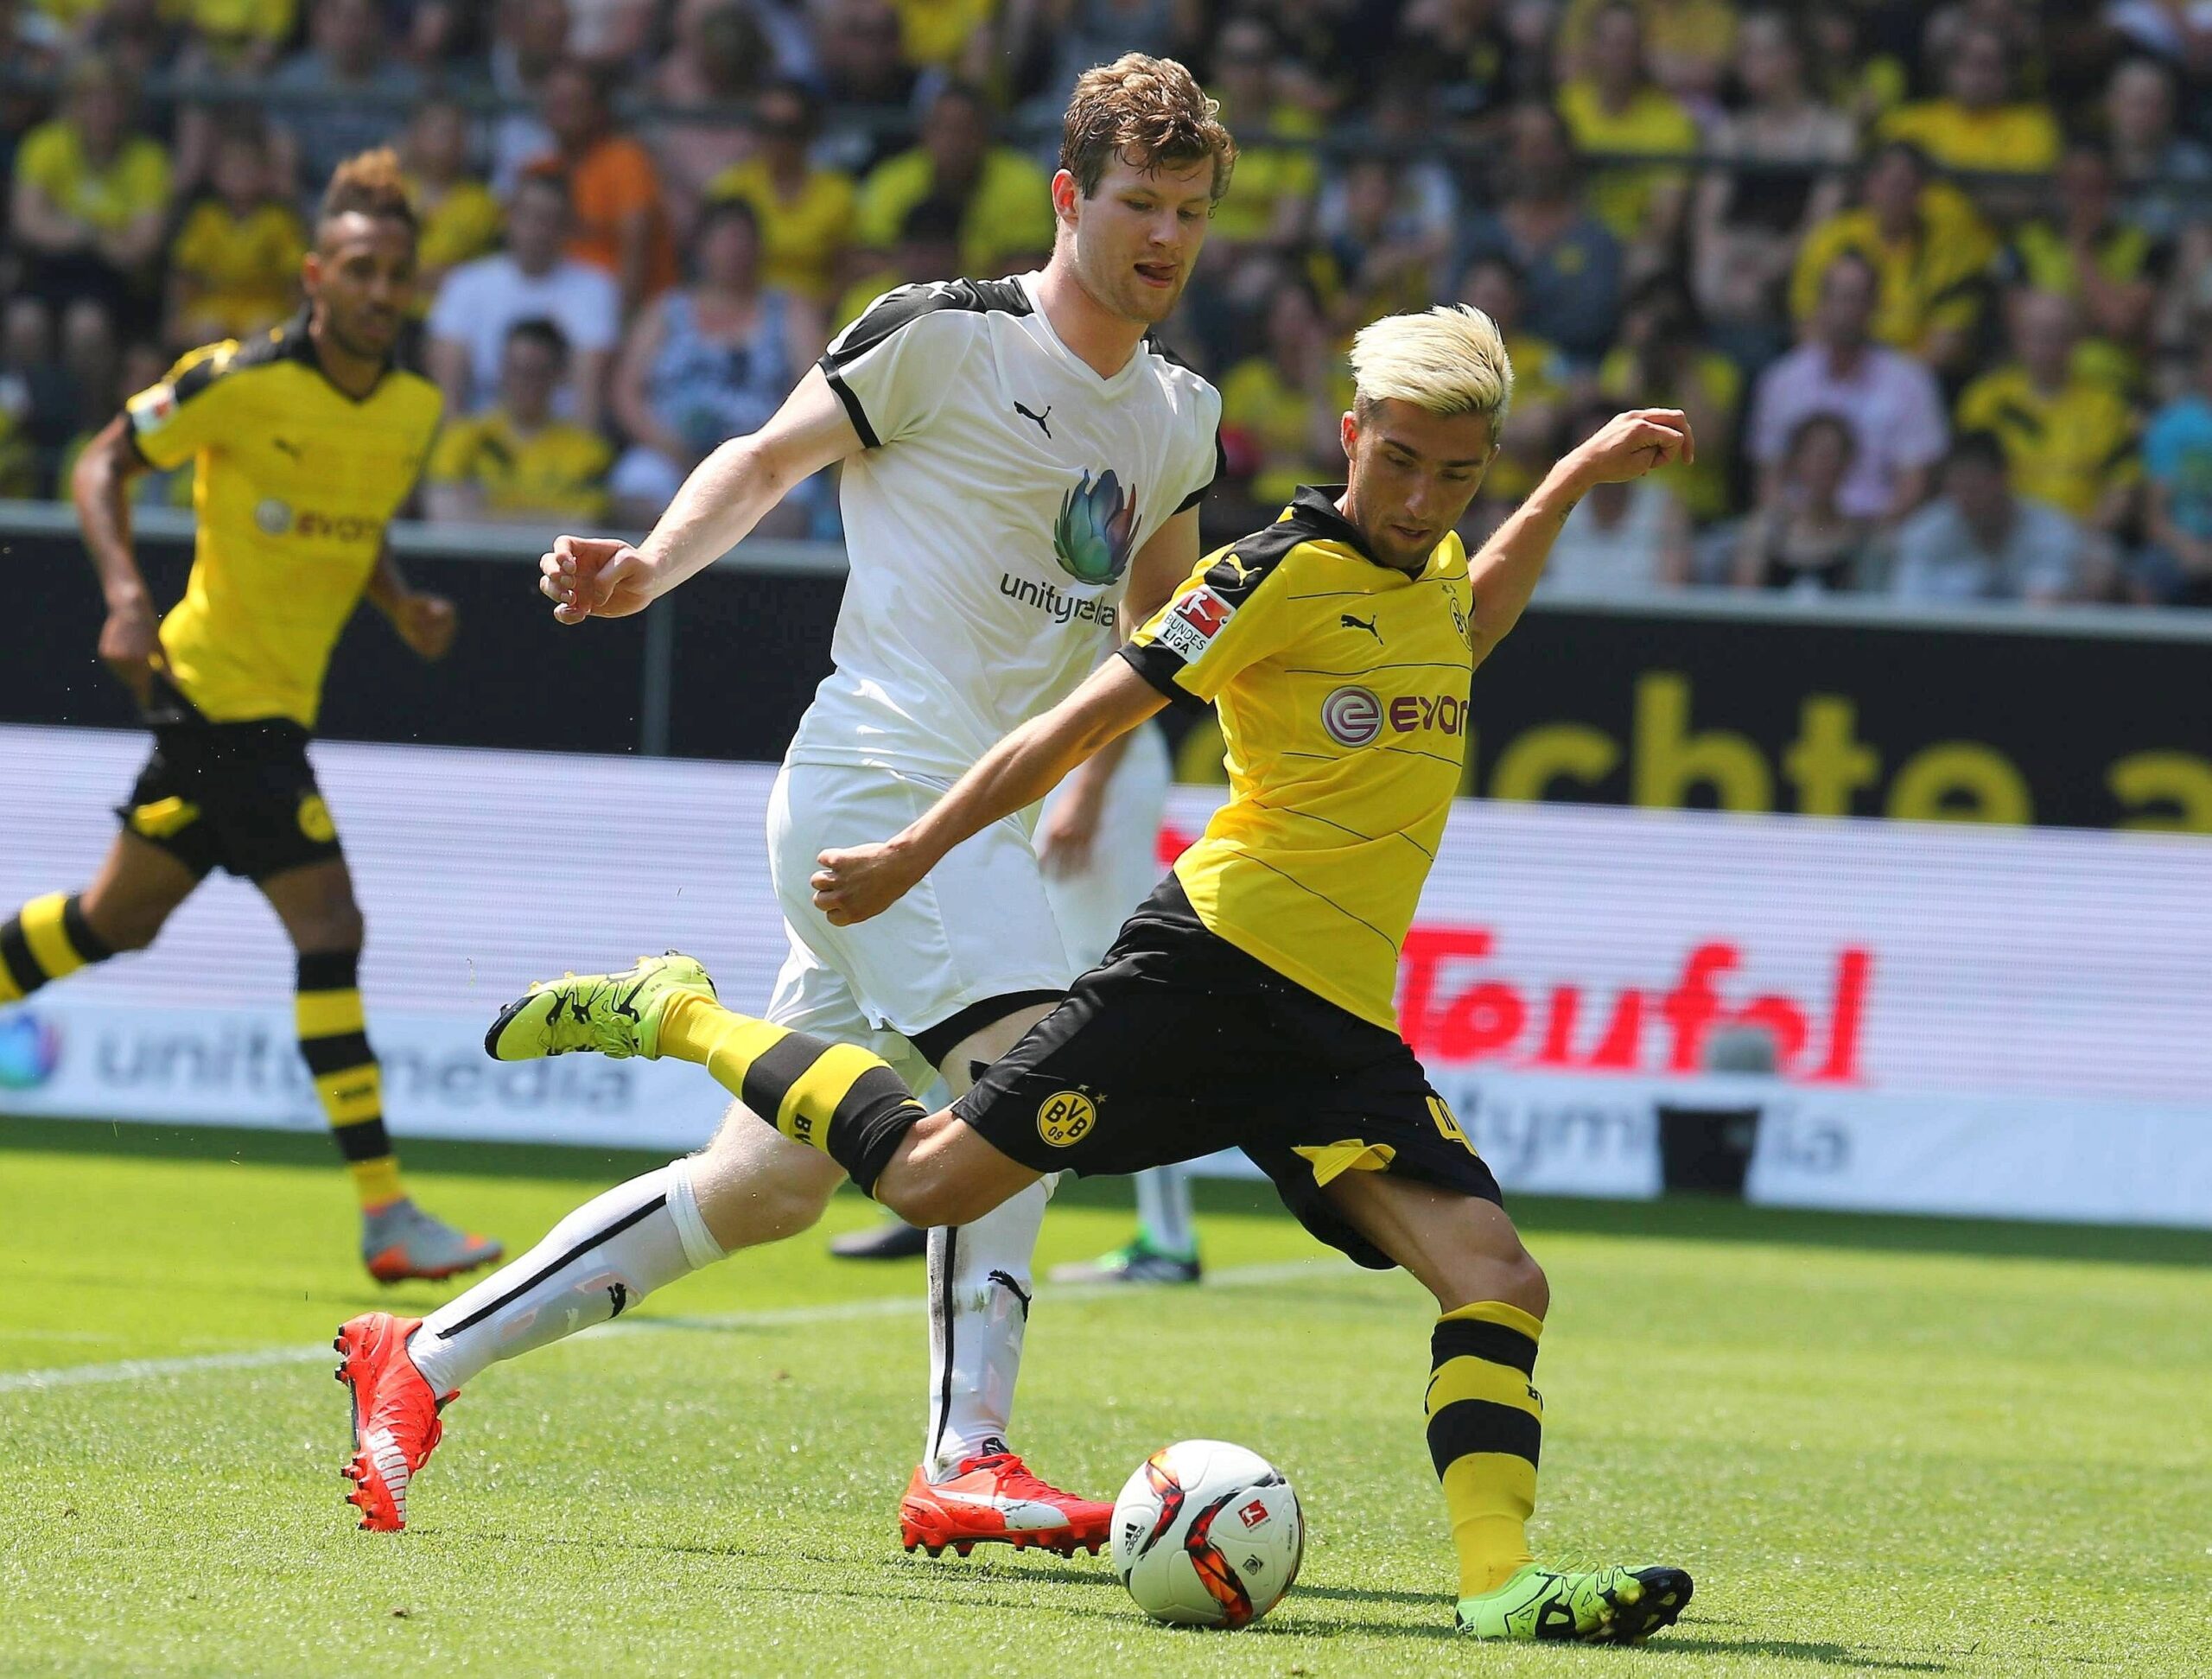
1449, 359
1147, 112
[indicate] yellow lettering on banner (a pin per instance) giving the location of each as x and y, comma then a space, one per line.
1827, 763
2181, 779
1556, 752
1960, 781
1669, 761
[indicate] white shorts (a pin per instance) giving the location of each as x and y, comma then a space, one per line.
978, 927
1125, 864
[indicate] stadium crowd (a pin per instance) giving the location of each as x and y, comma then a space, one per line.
1933, 281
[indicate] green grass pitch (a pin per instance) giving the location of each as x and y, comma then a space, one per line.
1891, 1446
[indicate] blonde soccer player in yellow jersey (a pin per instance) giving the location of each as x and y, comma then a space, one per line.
1248, 1004
307, 440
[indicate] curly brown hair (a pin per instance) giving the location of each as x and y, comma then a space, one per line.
369, 184
1150, 111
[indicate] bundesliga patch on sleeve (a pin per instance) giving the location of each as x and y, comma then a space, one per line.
151, 410
1193, 622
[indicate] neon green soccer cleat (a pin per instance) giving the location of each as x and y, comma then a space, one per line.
1611, 1607
617, 1014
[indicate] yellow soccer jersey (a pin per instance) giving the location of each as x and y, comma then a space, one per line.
556, 471
1342, 687
296, 483
2067, 449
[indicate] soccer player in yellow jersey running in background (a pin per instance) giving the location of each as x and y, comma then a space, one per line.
307, 441
1248, 1004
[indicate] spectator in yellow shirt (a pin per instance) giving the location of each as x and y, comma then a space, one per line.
928, 249
460, 219
935, 35
87, 210
1278, 408
228, 38
1978, 125
1615, 110
1269, 204
1006, 201
1691, 42
235, 264
1929, 250
2112, 267
806, 213
2069, 441
517, 461
1541, 382
1663, 361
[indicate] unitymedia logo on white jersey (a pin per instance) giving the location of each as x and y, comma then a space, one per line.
989, 552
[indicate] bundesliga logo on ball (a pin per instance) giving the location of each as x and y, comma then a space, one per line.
1207, 1534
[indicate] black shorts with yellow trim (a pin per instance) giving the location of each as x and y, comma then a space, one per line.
240, 796
1179, 1045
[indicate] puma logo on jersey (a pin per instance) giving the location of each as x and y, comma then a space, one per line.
1367, 624
1039, 418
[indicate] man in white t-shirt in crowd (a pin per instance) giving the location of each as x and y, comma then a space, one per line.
533, 279
1013, 451
1888, 399
1979, 541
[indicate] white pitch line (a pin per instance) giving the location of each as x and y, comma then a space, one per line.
148, 1369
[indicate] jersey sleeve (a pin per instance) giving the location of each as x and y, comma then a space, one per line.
1228, 618
1217, 463
892, 366
189, 410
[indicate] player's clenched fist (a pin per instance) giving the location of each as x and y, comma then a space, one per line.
854, 885
595, 577
427, 623
1630, 445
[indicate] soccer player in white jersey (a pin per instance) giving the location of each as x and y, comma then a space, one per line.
1022, 469
1102, 859
1101, 854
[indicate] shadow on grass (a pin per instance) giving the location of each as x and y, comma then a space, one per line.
1692, 1218
1692, 1643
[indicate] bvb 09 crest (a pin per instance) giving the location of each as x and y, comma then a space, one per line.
1064, 1118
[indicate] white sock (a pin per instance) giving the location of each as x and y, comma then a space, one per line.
979, 1308
1164, 1211
596, 1263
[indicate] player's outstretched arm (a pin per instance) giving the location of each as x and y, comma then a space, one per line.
1504, 574
726, 495
101, 486
853, 885
1156, 571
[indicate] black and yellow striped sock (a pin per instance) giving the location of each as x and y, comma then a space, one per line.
334, 1040
47, 939
837, 1098
1484, 1424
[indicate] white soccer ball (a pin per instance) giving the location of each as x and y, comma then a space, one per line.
1207, 1534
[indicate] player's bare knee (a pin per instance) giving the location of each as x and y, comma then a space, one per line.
125, 925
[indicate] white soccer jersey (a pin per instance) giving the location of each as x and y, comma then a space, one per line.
989, 519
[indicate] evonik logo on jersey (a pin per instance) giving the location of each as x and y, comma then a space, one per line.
1354, 716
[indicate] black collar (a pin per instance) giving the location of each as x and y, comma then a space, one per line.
1315, 507
292, 342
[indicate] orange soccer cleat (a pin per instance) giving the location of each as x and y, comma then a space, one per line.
995, 1499
395, 1425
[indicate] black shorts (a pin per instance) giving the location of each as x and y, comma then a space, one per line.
1180, 1044
240, 796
